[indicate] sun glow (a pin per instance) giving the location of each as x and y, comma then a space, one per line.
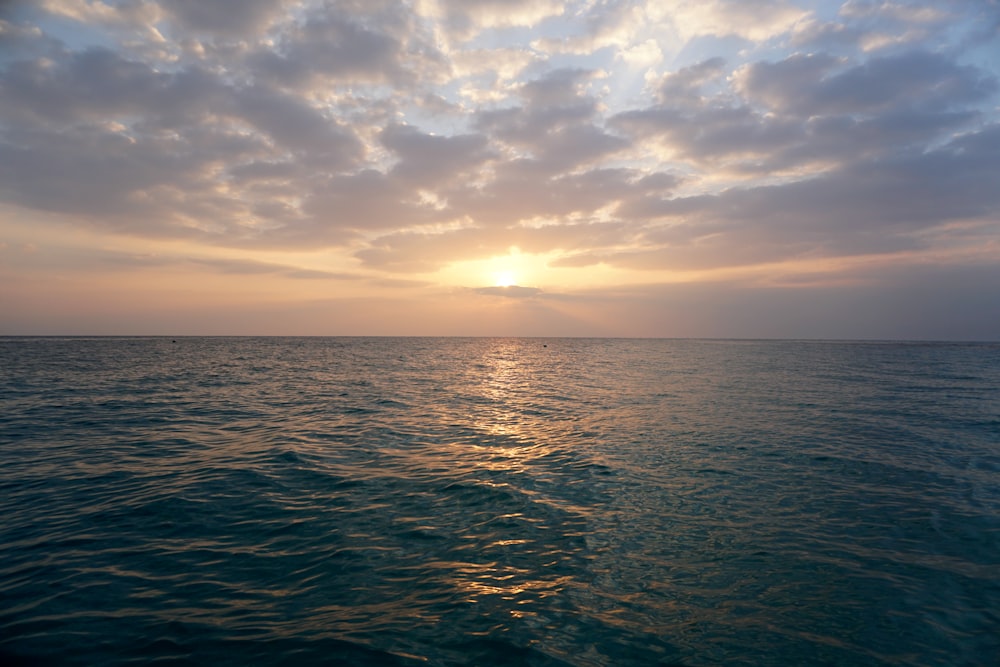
504, 278
519, 269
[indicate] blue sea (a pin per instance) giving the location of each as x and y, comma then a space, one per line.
498, 501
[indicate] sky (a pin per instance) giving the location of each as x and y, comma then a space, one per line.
703, 168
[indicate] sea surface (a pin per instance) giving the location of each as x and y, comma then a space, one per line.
481, 501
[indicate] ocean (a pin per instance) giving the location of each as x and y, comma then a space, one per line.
498, 501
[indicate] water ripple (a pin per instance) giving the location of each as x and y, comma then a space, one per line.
498, 501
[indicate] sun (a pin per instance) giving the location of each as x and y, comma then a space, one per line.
504, 278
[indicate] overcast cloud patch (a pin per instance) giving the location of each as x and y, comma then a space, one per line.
409, 137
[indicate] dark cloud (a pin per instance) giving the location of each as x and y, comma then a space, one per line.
93, 172
251, 267
715, 133
298, 127
807, 85
19, 40
554, 131
103, 261
684, 87
229, 18
89, 84
509, 292
426, 159
329, 45
557, 114
367, 200
237, 267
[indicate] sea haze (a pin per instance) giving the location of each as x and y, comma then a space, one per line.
442, 501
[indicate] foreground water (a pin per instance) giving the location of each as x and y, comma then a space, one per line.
377, 501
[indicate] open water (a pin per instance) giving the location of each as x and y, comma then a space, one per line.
403, 502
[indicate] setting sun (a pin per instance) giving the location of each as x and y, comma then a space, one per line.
504, 278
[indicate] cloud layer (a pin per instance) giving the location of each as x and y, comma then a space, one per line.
673, 140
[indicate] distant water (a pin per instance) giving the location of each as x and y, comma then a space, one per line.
398, 502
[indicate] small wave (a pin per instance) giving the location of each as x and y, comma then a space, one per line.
484, 501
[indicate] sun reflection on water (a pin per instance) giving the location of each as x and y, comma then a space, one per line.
479, 582
512, 438
505, 384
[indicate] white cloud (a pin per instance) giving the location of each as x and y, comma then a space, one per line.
755, 20
644, 54
463, 19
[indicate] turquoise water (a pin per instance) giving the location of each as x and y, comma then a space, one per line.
377, 501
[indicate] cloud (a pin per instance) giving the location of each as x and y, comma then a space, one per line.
684, 86
130, 18
811, 85
414, 251
228, 18
554, 130
881, 206
297, 126
464, 19
510, 291
898, 11
253, 267
808, 110
754, 20
179, 132
427, 160
614, 24
367, 200
66, 255
365, 44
